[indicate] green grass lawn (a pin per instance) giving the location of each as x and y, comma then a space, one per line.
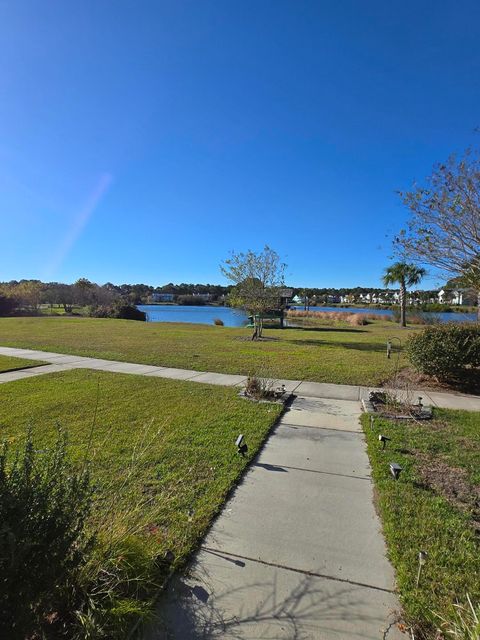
433, 507
12, 364
340, 354
162, 452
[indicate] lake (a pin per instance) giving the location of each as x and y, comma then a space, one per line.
238, 318
199, 315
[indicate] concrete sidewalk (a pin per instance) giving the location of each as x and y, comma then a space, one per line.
297, 552
299, 387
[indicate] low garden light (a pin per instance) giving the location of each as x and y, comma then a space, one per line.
420, 405
395, 470
383, 439
279, 391
372, 422
422, 560
241, 445
169, 556
389, 349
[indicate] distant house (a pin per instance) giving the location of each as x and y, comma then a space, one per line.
162, 297
457, 296
297, 300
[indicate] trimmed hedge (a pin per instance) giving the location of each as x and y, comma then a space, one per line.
448, 351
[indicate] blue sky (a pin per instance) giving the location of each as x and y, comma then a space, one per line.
142, 141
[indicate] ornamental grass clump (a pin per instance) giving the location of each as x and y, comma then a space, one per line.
447, 352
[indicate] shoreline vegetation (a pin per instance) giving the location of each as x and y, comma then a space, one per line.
413, 311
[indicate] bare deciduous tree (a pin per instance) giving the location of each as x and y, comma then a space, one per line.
258, 279
444, 227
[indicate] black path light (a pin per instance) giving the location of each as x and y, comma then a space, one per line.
395, 470
420, 405
169, 556
383, 439
241, 445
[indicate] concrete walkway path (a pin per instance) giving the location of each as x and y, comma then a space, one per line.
297, 552
62, 362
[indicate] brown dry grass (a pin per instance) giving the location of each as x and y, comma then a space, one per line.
354, 319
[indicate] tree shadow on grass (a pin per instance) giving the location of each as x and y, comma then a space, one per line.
356, 346
324, 329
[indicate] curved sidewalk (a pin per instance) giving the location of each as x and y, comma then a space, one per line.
62, 362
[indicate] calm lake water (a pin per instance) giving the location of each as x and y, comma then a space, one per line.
200, 315
238, 318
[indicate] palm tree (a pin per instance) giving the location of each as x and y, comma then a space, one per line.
406, 275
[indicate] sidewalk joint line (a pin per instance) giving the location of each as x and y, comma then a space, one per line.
309, 426
304, 572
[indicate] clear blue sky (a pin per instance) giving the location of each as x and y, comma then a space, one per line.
141, 141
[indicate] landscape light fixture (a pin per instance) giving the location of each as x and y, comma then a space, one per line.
280, 391
169, 556
372, 422
389, 349
383, 439
241, 445
420, 405
395, 470
422, 560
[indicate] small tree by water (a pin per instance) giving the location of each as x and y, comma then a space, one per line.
258, 279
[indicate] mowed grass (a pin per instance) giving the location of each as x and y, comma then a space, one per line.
165, 445
12, 364
340, 354
433, 507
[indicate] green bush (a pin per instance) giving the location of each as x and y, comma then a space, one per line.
448, 352
7, 305
44, 503
120, 311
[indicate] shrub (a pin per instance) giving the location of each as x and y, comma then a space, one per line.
219, 322
120, 311
129, 312
43, 507
7, 305
448, 351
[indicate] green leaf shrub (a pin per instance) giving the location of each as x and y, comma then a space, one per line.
120, 311
448, 352
44, 503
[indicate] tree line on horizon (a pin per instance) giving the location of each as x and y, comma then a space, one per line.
31, 294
